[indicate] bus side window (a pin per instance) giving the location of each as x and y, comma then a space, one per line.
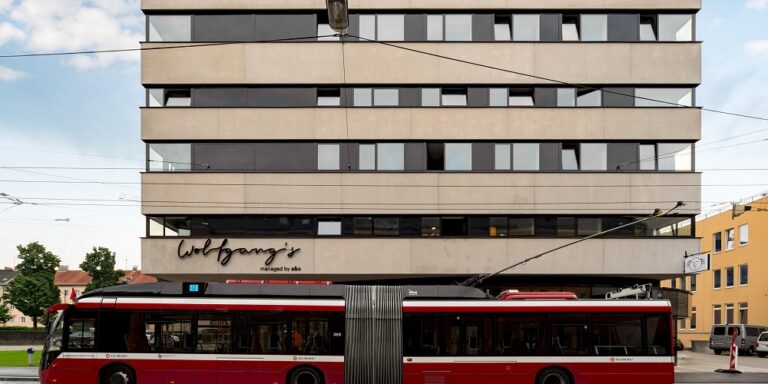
261, 333
214, 331
521, 335
172, 332
569, 336
81, 331
658, 335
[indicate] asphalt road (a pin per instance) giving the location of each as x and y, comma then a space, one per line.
693, 367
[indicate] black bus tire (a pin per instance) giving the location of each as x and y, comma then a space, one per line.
305, 375
117, 374
553, 376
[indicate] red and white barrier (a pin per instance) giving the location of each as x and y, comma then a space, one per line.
734, 356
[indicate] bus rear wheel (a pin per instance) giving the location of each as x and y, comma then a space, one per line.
553, 376
305, 375
118, 374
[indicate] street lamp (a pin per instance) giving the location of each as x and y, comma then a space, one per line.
338, 15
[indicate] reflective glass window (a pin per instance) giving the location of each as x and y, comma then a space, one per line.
566, 97
498, 97
326, 32
569, 157
675, 157
386, 97
430, 97
502, 30
458, 27
663, 97
170, 157
525, 27
458, 157
594, 156
647, 157
454, 97
391, 157
367, 157
328, 227
525, 156
521, 226
594, 27
503, 157
170, 28
363, 97
367, 26
390, 27
675, 27
328, 157
589, 98
434, 27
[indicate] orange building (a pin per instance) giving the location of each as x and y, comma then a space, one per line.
735, 289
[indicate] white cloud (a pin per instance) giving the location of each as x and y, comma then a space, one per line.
10, 32
5, 4
8, 74
756, 47
81, 25
757, 4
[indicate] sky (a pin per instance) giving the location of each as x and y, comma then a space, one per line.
83, 111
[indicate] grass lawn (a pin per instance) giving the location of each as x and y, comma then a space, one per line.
17, 358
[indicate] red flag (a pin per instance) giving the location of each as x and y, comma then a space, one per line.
72, 295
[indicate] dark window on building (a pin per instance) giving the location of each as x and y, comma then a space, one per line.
454, 226
693, 284
409, 226
546, 226
716, 278
729, 277
435, 156
362, 226
717, 241
521, 226
589, 226
478, 226
566, 226
430, 226
499, 227
386, 226
743, 274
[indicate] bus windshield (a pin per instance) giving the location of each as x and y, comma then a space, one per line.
52, 347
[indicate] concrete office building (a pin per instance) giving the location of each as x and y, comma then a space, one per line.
314, 158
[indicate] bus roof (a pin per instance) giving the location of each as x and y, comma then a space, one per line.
179, 289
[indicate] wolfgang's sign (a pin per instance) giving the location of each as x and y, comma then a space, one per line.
224, 254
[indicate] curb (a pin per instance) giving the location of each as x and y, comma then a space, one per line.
19, 378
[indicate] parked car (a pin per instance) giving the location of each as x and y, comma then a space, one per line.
762, 345
746, 337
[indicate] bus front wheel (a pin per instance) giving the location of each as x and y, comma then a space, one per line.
118, 374
305, 375
553, 376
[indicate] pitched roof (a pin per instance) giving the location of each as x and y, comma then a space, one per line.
72, 278
7, 275
81, 278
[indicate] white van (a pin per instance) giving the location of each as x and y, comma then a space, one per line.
762, 345
746, 337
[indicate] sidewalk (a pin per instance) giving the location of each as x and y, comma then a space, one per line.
18, 374
707, 362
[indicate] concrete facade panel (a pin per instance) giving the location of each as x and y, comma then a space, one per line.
366, 63
656, 124
350, 258
422, 4
382, 193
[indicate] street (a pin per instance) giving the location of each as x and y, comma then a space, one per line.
693, 367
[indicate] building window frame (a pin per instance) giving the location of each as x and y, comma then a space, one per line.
717, 277
717, 242
730, 239
743, 275
717, 314
743, 235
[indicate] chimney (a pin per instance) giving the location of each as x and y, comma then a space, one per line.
63, 268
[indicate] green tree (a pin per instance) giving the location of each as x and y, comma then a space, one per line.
100, 264
32, 291
5, 312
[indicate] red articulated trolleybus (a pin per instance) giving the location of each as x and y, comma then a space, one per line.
183, 333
